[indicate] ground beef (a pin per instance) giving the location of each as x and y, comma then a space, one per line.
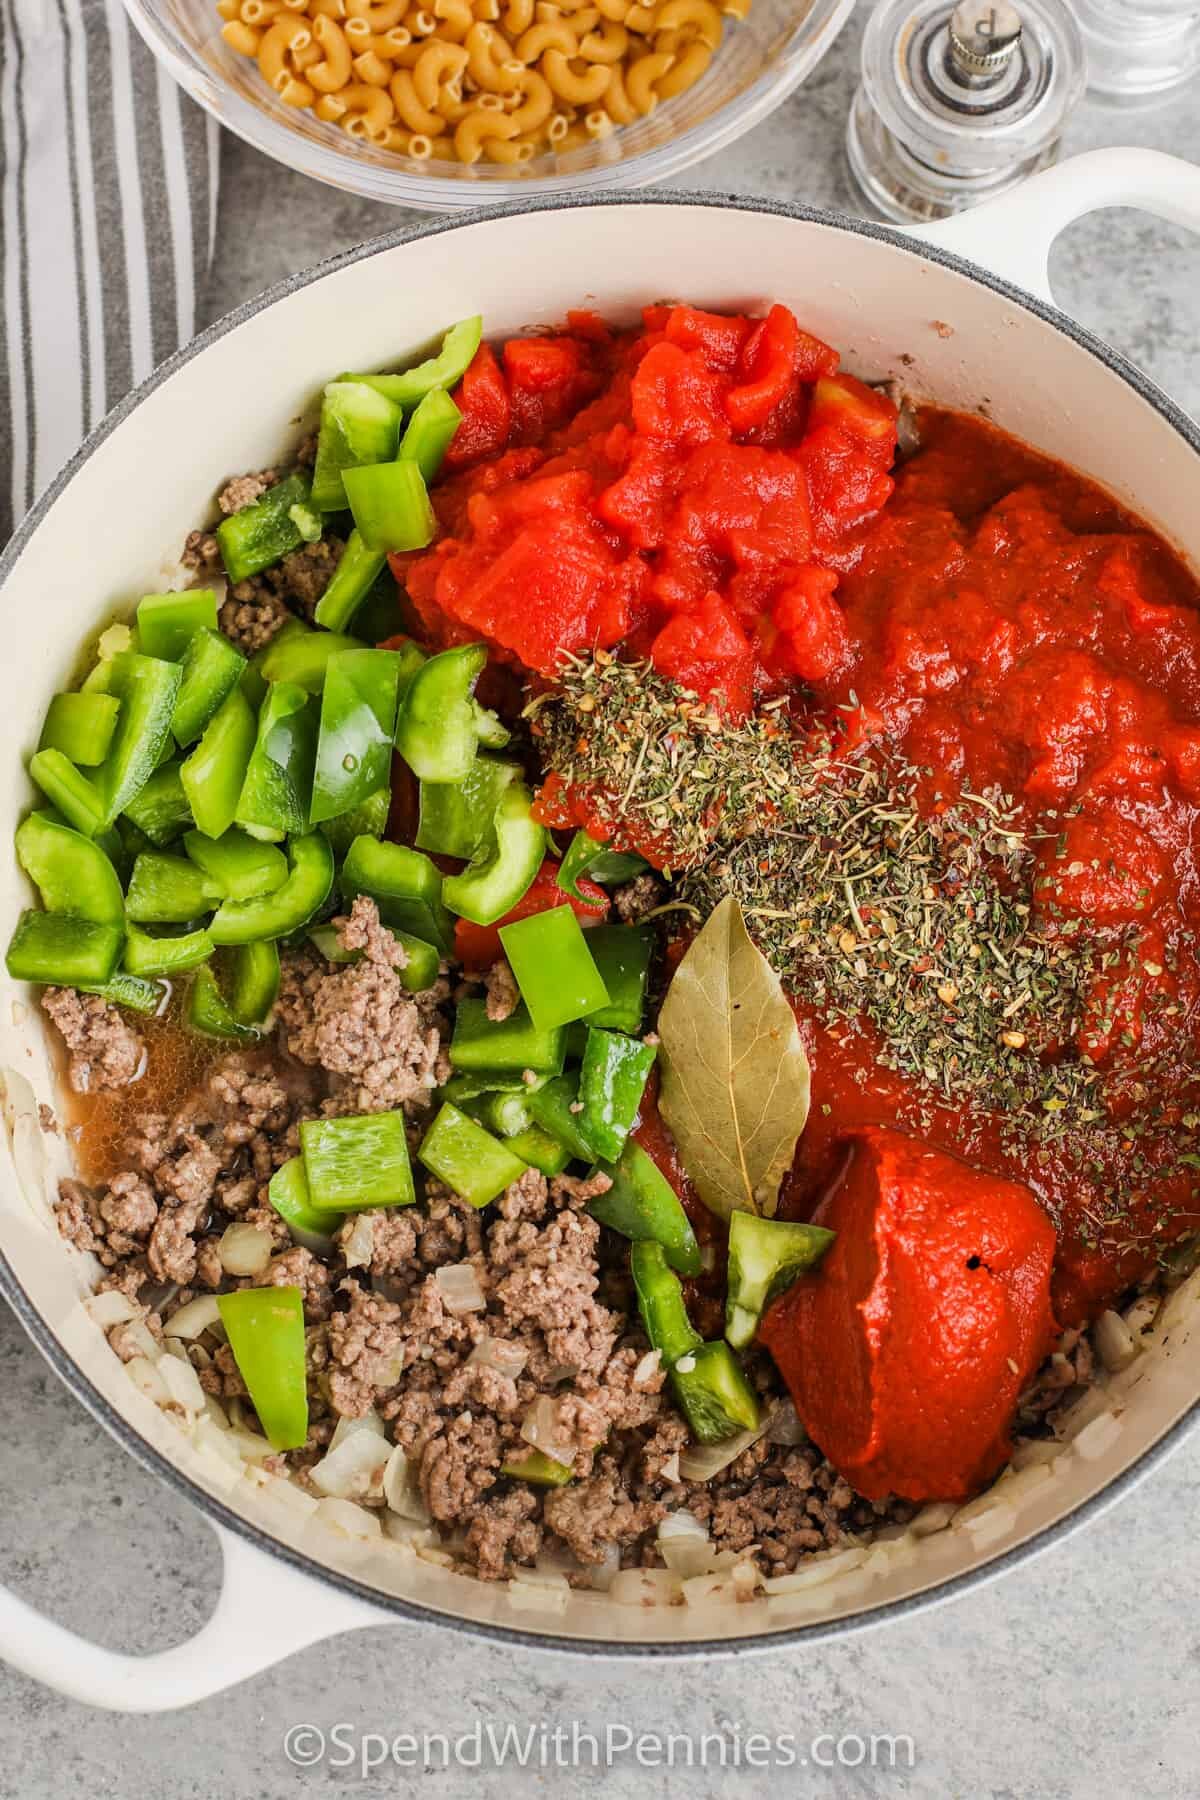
458, 1466
360, 1024
504, 1531
106, 1051
366, 1348
638, 897
244, 490
503, 994
298, 1267
251, 615
590, 1515
256, 609
201, 551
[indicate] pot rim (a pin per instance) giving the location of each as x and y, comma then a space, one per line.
72, 1374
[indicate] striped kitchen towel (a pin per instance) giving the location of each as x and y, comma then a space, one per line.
108, 182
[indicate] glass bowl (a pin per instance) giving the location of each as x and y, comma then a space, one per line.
762, 59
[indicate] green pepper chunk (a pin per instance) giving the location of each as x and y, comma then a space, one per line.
405, 886
368, 820
166, 623
301, 656
276, 915
586, 855
57, 948
265, 1328
162, 811
507, 1115
418, 973
355, 1163
264, 532
437, 732
622, 953
81, 727
713, 1393
358, 718
765, 1257
472, 1163
538, 1468
641, 1203
211, 669
554, 969
241, 867
504, 868
356, 574
148, 956
168, 890
463, 1086
514, 1044
660, 1302
441, 371
253, 981
537, 1148
147, 688
215, 772
71, 872
277, 792
207, 1012
288, 1194
131, 991
390, 506
612, 1081
429, 431
458, 818
76, 798
556, 1109
358, 425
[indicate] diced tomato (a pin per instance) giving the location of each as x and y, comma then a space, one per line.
811, 638
482, 398
548, 379
479, 946
775, 357
677, 399
717, 337
708, 652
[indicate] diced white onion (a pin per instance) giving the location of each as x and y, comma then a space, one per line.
459, 1286
814, 1571
400, 1488
543, 1574
1141, 1315
136, 1335
208, 1435
784, 1427
536, 1596
182, 1382
110, 1308
500, 1354
355, 1467
647, 1368
1036, 1450
407, 1531
670, 1469
1115, 1344
244, 1250
196, 1317
971, 1510
645, 1587
710, 1590
369, 1421
286, 1495
146, 1379
700, 1462
540, 1427
684, 1544
1097, 1437
359, 1242
1019, 1483
601, 1576
347, 1519
251, 1446
934, 1517
989, 1526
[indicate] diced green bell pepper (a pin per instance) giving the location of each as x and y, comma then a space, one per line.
76, 797
70, 871
166, 623
253, 981
436, 732
391, 506
586, 855
358, 425
713, 1394
278, 914
288, 1194
301, 656
265, 1328
554, 969
162, 811
206, 1011
483, 1045
622, 954
147, 956
538, 1469
214, 774
212, 668
463, 1086
81, 726
537, 1148
405, 886
661, 1303
553, 1108
355, 1163
441, 371
641, 1203
357, 571
612, 1081
458, 818
242, 867
168, 890
418, 973
428, 433
264, 532
504, 868
368, 820
114, 639
66, 951
507, 1115
147, 688
765, 1257
130, 991
277, 792
472, 1163
358, 718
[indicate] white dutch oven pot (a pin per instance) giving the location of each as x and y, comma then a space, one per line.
231, 401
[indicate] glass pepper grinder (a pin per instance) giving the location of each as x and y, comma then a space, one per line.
958, 103
1139, 52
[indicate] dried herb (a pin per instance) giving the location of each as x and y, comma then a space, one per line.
735, 1081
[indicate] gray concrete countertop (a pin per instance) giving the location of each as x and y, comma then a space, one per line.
1077, 1676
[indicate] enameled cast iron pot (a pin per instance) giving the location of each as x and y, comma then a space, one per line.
967, 336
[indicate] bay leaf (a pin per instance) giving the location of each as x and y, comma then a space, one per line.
735, 1076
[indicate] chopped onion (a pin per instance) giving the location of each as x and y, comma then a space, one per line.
784, 1427
670, 1469
561, 1372
685, 1545
196, 1317
993, 1523
539, 1596
251, 1446
208, 1435
601, 1575
458, 1284
543, 1574
647, 1368
285, 1494
700, 1462
146, 1379
500, 1354
1115, 1344
1097, 1437
355, 1467
347, 1519
111, 1308
137, 1336
646, 1587
358, 1245
407, 1531
814, 1571
540, 1427
182, 1383
369, 1421
710, 1590
400, 1488
1036, 1450
1141, 1315
244, 1250
1020, 1482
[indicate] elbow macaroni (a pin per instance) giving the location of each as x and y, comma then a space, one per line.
468, 80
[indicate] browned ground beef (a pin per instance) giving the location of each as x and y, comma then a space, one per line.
255, 609
106, 1051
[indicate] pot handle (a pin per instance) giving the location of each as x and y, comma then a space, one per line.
265, 1611
1012, 235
